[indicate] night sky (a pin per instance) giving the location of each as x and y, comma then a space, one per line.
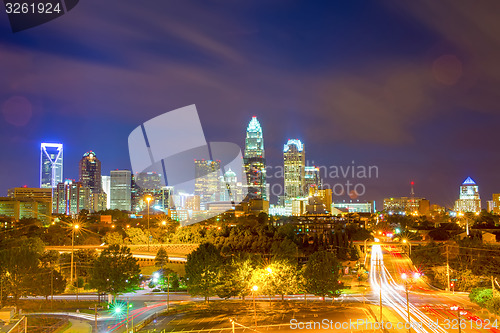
410, 87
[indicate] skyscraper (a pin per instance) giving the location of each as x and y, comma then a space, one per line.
90, 176
106, 188
120, 192
469, 200
207, 173
311, 178
294, 160
255, 161
51, 164
70, 198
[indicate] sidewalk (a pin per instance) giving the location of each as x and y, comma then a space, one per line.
78, 326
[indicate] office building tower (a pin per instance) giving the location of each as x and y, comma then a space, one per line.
90, 176
35, 193
106, 187
254, 161
469, 200
120, 190
496, 203
311, 178
294, 159
51, 164
207, 175
18, 208
70, 198
150, 184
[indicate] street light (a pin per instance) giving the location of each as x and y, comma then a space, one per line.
148, 199
409, 243
74, 227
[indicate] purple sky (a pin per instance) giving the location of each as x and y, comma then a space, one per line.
412, 88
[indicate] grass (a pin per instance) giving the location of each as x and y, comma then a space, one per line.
57, 305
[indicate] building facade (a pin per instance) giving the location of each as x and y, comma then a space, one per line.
469, 200
106, 188
120, 189
311, 178
90, 177
407, 206
51, 164
207, 175
70, 198
294, 160
18, 208
254, 161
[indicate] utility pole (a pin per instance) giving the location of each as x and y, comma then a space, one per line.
95, 317
492, 287
447, 268
51, 287
127, 318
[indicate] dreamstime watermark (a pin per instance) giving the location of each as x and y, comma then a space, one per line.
341, 179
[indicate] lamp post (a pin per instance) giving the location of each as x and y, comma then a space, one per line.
409, 243
74, 227
455, 307
148, 199
254, 289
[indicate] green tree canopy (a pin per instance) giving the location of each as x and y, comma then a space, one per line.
202, 270
115, 271
321, 274
161, 259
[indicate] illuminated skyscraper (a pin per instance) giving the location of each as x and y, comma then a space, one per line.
70, 198
207, 175
294, 159
90, 176
106, 187
311, 178
255, 161
51, 164
120, 194
469, 200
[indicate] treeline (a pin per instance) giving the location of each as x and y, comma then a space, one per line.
26, 269
472, 263
210, 273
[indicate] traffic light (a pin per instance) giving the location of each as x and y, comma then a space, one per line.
118, 309
452, 284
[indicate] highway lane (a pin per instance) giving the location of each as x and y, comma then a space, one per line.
428, 306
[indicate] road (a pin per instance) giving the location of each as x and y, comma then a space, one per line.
430, 309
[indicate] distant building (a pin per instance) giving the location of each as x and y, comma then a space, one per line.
51, 164
230, 188
496, 203
35, 193
148, 183
356, 206
90, 177
18, 208
120, 192
469, 200
254, 160
407, 206
70, 198
294, 169
207, 174
106, 188
311, 178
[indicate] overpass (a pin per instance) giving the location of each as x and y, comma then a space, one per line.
177, 253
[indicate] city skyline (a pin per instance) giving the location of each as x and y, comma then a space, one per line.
404, 108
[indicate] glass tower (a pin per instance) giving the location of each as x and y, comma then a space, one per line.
294, 168
120, 190
51, 164
255, 161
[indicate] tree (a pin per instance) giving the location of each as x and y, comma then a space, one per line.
115, 271
20, 260
161, 259
286, 250
113, 238
136, 236
428, 255
48, 281
279, 278
321, 274
202, 270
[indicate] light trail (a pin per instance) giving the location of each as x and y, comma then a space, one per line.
391, 297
